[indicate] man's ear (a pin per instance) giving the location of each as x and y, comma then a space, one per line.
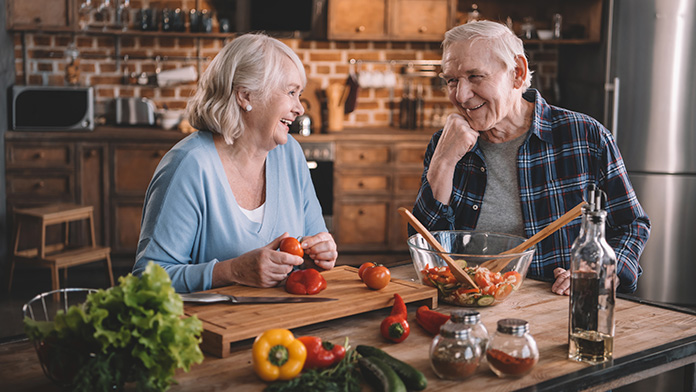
520, 71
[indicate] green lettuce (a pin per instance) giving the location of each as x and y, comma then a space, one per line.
135, 332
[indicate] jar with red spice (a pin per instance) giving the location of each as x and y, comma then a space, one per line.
454, 354
512, 351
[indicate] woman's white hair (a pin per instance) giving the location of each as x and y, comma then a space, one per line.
251, 63
503, 43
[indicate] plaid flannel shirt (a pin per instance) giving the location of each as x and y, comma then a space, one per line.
563, 153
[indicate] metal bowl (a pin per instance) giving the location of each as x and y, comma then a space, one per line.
44, 307
470, 249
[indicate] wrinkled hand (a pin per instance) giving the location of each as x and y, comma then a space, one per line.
321, 248
562, 284
262, 267
457, 139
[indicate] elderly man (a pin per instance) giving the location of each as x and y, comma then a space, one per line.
509, 162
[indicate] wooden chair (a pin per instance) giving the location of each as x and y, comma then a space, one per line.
60, 255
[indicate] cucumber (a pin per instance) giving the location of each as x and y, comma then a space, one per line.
380, 376
485, 300
412, 377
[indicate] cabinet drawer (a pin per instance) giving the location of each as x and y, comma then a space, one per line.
364, 154
53, 156
357, 19
407, 183
410, 154
134, 167
362, 183
362, 225
426, 20
53, 186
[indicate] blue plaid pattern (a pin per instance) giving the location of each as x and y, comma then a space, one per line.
563, 154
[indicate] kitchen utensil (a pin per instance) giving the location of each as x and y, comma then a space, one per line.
469, 249
303, 122
336, 95
497, 265
208, 298
454, 267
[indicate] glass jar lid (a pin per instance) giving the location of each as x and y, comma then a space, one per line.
465, 316
515, 327
455, 331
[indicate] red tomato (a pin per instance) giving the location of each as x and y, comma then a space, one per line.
365, 266
503, 291
512, 277
377, 277
291, 245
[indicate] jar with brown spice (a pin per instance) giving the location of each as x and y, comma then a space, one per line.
454, 354
472, 318
512, 351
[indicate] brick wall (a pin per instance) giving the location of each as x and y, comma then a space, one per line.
325, 61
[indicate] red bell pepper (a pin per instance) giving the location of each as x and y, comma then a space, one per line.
430, 320
308, 281
320, 354
395, 327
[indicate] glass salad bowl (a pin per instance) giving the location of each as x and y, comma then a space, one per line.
475, 252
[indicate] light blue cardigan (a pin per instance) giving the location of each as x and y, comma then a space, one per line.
191, 220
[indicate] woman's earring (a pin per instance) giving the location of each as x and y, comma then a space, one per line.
247, 108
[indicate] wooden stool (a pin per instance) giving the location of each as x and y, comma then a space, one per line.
61, 255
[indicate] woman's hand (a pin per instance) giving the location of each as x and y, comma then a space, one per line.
562, 284
321, 248
262, 267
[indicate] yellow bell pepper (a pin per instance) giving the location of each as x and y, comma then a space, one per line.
277, 355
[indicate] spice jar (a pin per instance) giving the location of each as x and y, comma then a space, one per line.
472, 318
512, 351
454, 355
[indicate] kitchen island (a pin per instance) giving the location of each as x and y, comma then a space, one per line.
649, 340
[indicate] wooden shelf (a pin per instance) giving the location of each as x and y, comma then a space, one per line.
121, 33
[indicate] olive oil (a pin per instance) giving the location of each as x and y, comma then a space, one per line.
592, 290
589, 346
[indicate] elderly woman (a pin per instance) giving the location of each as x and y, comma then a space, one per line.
508, 162
223, 198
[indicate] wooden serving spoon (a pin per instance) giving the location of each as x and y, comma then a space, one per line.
497, 265
456, 270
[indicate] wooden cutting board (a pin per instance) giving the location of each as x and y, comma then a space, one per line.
224, 324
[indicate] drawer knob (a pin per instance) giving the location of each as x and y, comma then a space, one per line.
360, 29
361, 156
92, 153
423, 29
360, 184
39, 185
361, 212
39, 155
158, 154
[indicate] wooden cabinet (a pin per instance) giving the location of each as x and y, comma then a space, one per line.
132, 166
581, 19
395, 20
40, 14
108, 169
374, 177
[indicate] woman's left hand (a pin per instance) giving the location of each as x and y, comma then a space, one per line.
321, 248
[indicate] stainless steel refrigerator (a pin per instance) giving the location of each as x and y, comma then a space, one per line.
650, 106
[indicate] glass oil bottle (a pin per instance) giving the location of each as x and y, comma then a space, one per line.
592, 291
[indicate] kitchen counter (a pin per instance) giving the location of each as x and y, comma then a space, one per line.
649, 340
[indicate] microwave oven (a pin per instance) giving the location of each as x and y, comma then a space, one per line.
51, 108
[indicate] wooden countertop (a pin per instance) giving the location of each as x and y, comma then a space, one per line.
649, 340
115, 133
